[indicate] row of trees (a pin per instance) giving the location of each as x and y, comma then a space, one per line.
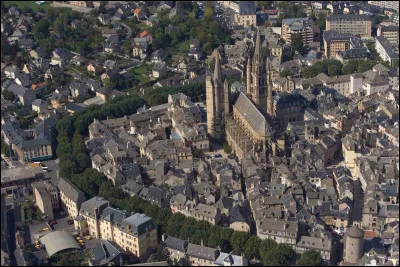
334, 67
159, 95
197, 232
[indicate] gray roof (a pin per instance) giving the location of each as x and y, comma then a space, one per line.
247, 8
387, 46
139, 223
113, 215
298, 23
33, 143
17, 89
228, 259
71, 191
104, 252
57, 241
336, 36
93, 203
350, 17
354, 53
253, 116
202, 252
355, 232
175, 243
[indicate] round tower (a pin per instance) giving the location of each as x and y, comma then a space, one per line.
354, 244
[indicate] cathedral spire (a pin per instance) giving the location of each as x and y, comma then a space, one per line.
269, 88
248, 76
217, 68
258, 51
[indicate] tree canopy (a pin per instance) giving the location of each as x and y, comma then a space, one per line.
310, 258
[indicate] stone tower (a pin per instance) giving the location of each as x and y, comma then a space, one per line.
270, 108
217, 95
354, 245
256, 75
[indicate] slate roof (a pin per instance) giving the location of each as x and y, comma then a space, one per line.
202, 252
113, 215
175, 243
70, 190
138, 224
253, 116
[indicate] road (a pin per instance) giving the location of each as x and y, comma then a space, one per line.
128, 29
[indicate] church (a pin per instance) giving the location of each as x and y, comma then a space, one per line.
248, 127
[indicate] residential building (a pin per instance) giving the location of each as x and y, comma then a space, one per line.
303, 26
159, 70
386, 50
354, 24
176, 247
137, 234
320, 244
46, 197
386, 4
336, 42
25, 95
247, 14
206, 213
390, 32
285, 232
200, 255
90, 211
71, 197
33, 150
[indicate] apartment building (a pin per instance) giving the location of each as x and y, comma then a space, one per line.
386, 50
137, 234
335, 42
320, 244
71, 197
247, 14
33, 150
90, 211
285, 232
386, 4
206, 213
108, 219
354, 24
390, 32
303, 26
46, 197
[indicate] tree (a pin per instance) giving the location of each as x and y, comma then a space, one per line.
297, 43
281, 255
251, 248
285, 73
8, 95
67, 169
334, 70
238, 241
161, 254
83, 161
310, 258
266, 246
227, 148
197, 153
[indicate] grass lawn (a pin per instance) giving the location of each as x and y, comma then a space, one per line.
137, 73
24, 4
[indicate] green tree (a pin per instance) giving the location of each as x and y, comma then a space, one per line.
297, 43
251, 248
266, 246
281, 255
238, 241
227, 148
83, 161
334, 70
310, 258
161, 254
8, 95
285, 73
68, 168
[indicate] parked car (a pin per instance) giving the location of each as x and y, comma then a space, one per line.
53, 222
218, 156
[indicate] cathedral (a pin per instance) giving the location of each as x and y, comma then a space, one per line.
248, 126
